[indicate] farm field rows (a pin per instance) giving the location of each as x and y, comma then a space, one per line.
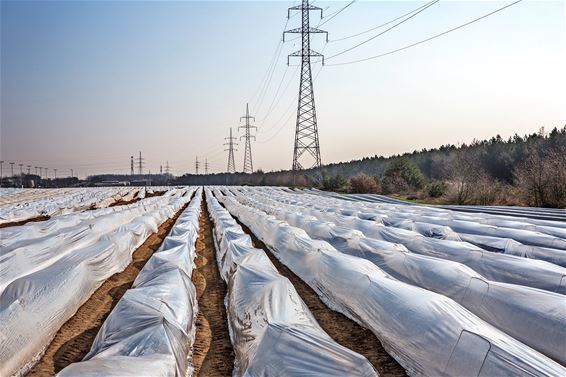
265, 281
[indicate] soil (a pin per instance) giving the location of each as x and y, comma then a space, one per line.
340, 328
121, 202
73, 341
155, 193
213, 355
23, 222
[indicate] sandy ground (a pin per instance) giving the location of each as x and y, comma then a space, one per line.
340, 328
213, 355
73, 341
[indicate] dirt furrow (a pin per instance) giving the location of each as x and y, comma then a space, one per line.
340, 328
213, 355
73, 341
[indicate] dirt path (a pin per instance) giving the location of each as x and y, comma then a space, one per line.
340, 328
213, 355
73, 341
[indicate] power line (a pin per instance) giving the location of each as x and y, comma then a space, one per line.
332, 15
385, 31
291, 80
378, 26
430, 38
270, 67
285, 113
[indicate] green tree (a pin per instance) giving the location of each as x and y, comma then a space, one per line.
408, 170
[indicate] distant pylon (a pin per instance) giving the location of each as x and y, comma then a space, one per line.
167, 168
248, 163
131, 165
160, 169
206, 166
306, 131
230, 144
197, 165
140, 164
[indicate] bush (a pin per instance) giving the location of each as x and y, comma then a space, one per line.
333, 182
394, 184
364, 184
436, 189
407, 170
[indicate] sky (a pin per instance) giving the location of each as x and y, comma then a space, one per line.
86, 84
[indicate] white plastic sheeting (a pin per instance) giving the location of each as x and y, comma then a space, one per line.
535, 317
272, 330
151, 330
31, 203
429, 334
31, 250
33, 307
494, 266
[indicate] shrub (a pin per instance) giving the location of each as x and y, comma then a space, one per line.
364, 184
394, 184
333, 182
436, 189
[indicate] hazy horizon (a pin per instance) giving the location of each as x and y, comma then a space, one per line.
85, 85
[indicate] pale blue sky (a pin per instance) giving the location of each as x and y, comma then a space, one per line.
87, 84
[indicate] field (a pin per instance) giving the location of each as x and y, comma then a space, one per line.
271, 281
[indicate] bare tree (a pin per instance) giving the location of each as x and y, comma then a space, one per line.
465, 172
541, 178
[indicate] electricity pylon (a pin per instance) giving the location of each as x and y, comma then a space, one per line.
306, 131
131, 165
230, 144
206, 166
197, 165
248, 163
140, 164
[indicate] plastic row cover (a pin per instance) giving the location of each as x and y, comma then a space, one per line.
54, 202
272, 330
502, 215
429, 334
35, 306
23, 257
550, 235
153, 324
18, 236
494, 266
535, 317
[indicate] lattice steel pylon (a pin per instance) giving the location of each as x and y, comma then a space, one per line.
306, 132
248, 162
230, 144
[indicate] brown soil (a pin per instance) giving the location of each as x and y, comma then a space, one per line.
73, 341
340, 328
213, 354
156, 193
123, 202
23, 222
